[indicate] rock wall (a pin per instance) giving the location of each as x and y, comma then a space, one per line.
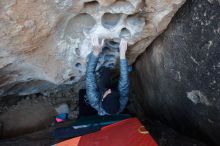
44, 43
177, 80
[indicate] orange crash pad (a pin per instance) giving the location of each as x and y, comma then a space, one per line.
128, 132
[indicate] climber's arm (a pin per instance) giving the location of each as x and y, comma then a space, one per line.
93, 94
123, 86
91, 85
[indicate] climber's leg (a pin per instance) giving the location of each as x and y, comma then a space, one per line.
84, 107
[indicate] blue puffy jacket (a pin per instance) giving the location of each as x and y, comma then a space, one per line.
93, 94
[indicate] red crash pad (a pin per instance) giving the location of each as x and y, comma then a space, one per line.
129, 132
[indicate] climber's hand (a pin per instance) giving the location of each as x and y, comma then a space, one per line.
97, 47
123, 48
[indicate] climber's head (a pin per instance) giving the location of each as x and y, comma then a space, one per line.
110, 101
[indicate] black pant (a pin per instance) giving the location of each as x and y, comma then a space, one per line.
85, 108
107, 80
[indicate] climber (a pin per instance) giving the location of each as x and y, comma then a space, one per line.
105, 99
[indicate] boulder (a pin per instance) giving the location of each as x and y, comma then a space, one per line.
45, 43
177, 80
26, 117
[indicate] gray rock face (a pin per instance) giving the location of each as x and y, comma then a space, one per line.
178, 79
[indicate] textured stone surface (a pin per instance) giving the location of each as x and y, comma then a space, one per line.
44, 43
178, 78
25, 117
20, 115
